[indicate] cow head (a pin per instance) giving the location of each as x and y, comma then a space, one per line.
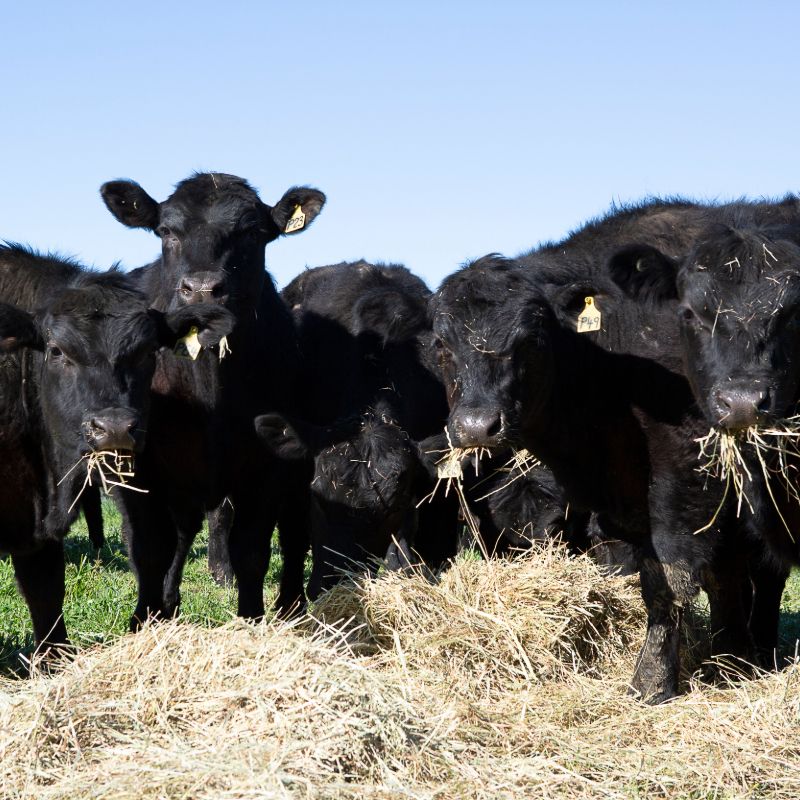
364, 472
97, 339
739, 316
213, 231
489, 331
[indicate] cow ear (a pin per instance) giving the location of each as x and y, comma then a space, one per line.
431, 451
131, 204
212, 321
18, 329
394, 316
286, 437
644, 273
569, 301
298, 201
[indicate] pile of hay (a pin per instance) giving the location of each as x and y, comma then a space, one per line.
467, 691
540, 617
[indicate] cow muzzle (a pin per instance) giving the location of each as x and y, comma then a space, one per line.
113, 429
740, 407
203, 287
478, 427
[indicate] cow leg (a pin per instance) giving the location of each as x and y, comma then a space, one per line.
150, 535
219, 559
400, 554
768, 583
666, 589
40, 578
93, 514
294, 534
318, 581
250, 544
728, 621
187, 525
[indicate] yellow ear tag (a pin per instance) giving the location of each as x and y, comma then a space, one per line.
449, 469
296, 221
189, 347
224, 347
590, 317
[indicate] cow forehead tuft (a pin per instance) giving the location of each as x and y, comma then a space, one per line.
209, 188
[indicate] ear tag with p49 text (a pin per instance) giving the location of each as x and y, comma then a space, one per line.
189, 347
590, 317
449, 469
296, 221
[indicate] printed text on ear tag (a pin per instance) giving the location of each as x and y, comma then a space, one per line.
450, 469
296, 221
189, 347
590, 317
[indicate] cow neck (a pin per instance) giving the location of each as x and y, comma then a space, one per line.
587, 433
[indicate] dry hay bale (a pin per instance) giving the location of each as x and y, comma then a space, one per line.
180, 710
537, 617
263, 711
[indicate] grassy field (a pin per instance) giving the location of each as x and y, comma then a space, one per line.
101, 595
101, 592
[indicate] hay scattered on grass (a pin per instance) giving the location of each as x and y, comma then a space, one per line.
269, 711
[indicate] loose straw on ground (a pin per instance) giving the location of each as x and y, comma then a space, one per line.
506, 681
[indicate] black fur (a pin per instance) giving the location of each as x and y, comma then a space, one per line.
78, 355
202, 446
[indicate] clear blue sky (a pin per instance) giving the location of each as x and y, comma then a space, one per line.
440, 131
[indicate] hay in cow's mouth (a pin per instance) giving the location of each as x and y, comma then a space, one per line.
112, 472
522, 462
727, 461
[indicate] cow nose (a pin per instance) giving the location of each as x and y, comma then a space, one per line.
741, 408
110, 431
201, 288
478, 427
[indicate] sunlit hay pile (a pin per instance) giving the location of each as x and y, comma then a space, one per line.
246, 711
487, 626
179, 710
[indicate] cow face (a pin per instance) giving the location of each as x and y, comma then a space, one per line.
739, 312
489, 329
364, 471
98, 339
213, 231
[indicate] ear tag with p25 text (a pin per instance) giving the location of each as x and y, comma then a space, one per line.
189, 347
296, 221
449, 469
590, 317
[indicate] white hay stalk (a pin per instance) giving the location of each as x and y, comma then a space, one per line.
727, 461
120, 468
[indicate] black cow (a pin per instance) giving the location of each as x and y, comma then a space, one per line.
516, 503
77, 355
370, 398
202, 446
738, 294
365, 489
611, 413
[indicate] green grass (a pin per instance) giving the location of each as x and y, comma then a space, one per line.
101, 592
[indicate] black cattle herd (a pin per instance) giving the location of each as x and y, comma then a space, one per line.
581, 385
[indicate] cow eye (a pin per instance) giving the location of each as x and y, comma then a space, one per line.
687, 315
56, 354
438, 344
164, 231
